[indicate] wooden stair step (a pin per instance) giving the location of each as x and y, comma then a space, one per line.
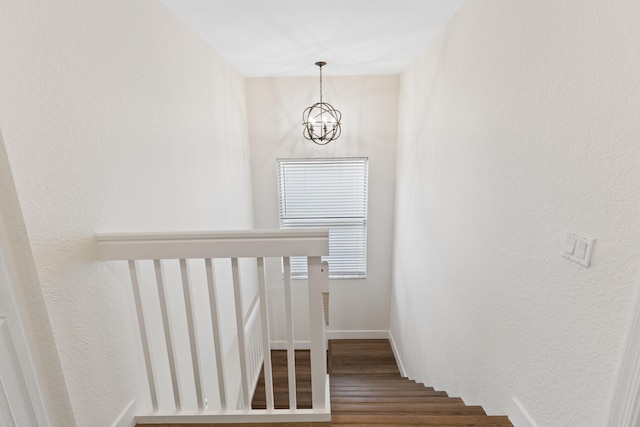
369, 379
400, 407
377, 369
382, 386
434, 409
379, 386
375, 392
422, 420
392, 399
357, 344
349, 359
388, 382
354, 358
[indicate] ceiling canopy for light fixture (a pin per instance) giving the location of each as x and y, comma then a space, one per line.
321, 121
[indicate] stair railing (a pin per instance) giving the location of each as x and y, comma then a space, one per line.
184, 252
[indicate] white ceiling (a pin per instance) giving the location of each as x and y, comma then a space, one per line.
268, 38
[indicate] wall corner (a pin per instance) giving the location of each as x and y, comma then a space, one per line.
396, 354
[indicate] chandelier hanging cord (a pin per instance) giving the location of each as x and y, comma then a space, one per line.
321, 121
321, 64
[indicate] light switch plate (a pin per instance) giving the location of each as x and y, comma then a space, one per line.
569, 245
577, 248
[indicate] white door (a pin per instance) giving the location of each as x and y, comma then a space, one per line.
21, 403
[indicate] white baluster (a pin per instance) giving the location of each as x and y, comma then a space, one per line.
217, 341
318, 350
291, 354
193, 336
137, 296
237, 294
172, 351
266, 340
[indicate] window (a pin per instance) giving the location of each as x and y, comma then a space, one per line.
327, 193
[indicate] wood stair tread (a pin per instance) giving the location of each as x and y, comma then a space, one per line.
378, 386
406, 408
375, 407
423, 420
376, 392
391, 399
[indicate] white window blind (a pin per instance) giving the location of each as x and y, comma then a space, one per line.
327, 193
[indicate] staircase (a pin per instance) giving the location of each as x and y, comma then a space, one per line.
367, 389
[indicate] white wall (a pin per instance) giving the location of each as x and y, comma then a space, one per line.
32, 305
116, 117
519, 123
369, 111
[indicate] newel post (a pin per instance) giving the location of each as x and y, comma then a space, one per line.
318, 348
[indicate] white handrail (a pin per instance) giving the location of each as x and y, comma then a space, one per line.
232, 245
213, 244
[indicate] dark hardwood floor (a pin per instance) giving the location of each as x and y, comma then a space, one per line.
367, 389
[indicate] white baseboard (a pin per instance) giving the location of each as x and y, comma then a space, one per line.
519, 416
127, 416
396, 354
357, 335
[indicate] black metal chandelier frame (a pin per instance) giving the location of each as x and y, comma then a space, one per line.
321, 121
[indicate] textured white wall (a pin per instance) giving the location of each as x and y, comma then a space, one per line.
519, 123
116, 117
369, 110
29, 300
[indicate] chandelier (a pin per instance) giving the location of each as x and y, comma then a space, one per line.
321, 121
